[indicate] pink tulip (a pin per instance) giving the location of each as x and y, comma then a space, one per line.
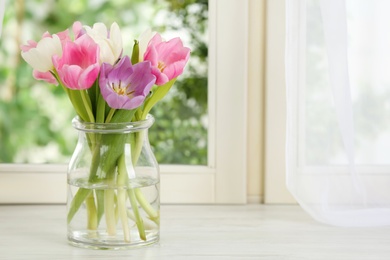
168, 58
30, 45
39, 55
37, 74
42, 59
45, 76
79, 66
65, 36
77, 29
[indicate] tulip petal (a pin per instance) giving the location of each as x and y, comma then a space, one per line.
144, 40
175, 69
40, 56
152, 55
69, 75
116, 40
88, 76
167, 58
168, 48
133, 103
33, 58
125, 86
110, 43
121, 72
30, 45
142, 79
161, 78
78, 67
180, 54
77, 29
45, 76
101, 29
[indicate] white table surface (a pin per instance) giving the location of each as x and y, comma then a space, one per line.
199, 232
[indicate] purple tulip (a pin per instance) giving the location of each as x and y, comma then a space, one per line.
125, 86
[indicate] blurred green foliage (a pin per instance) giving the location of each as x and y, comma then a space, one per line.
35, 116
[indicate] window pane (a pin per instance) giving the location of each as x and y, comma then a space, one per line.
35, 116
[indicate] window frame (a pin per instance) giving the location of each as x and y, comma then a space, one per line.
275, 190
223, 180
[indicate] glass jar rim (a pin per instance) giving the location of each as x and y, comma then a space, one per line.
126, 127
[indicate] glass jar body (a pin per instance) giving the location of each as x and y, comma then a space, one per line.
113, 187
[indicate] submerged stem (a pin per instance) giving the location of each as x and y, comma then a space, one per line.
152, 213
109, 210
123, 179
138, 220
91, 212
148, 224
99, 204
136, 152
123, 214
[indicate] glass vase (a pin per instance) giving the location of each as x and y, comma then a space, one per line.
113, 186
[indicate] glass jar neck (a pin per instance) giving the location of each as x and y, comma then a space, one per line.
126, 127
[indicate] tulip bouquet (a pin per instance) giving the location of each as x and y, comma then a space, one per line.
105, 86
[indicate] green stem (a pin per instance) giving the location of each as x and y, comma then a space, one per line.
148, 224
122, 213
100, 204
93, 177
77, 98
116, 209
152, 213
122, 178
100, 111
110, 114
135, 153
91, 212
138, 220
122, 183
87, 105
109, 210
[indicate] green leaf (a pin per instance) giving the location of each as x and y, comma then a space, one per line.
77, 102
78, 199
159, 93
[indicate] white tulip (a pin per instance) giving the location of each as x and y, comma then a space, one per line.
40, 57
110, 42
143, 40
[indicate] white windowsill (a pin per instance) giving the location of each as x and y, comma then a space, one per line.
199, 232
32, 184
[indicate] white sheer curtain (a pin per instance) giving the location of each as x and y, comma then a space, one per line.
338, 109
